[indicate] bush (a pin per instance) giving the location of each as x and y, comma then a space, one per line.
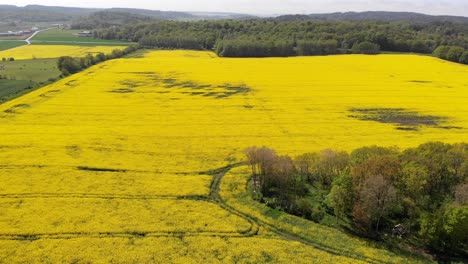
464, 58
303, 208
441, 52
68, 65
455, 53
317, 215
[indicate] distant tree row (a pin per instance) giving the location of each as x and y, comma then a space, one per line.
419, 194
452, 53
270, 37
69, 65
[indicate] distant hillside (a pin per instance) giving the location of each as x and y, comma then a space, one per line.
104, 19
33, 14
376, 16
74, 11
39, 13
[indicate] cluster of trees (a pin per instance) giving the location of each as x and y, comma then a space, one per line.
69, 65
250, 47
366, 48
452, 53
420, 193
272, 37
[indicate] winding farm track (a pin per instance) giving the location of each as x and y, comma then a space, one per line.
258, 223
28, 40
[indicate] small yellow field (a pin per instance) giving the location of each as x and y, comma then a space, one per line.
115, 164
54, 51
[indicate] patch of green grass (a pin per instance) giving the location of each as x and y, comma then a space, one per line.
21, 77
10, 89
8, 44
40, 70
13, 37
66, 37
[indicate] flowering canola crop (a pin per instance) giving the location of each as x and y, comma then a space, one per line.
119, 156
29, 52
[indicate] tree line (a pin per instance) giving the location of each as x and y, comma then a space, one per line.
70, 65
452, 53
419, 195
271, 37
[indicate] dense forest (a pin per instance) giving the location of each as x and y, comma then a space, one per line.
419, 195
275, 37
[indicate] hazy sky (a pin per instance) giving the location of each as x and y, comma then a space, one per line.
436, 7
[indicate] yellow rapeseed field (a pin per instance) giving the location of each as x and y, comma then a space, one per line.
114, 164
54, 51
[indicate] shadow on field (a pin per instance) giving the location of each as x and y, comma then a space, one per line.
152, 80
404, 119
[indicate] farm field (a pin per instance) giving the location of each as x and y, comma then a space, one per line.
8, 44
22, 76
45, 51
2, 38
39, 70
66, 37
129, 155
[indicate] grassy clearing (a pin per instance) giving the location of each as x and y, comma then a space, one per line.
21, 77
39, 70
10, 89
12, 37
66, 37
4, 45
